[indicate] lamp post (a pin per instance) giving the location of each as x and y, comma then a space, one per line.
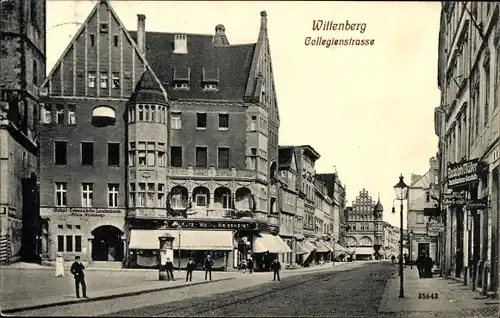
179, 231
400, 190
410, 235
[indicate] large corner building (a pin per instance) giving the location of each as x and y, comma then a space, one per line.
151, 133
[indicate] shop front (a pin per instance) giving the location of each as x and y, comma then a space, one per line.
94, 234
267, 247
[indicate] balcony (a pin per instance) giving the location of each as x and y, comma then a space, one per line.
191, 213
213, 172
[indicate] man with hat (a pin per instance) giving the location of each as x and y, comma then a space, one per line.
77, 269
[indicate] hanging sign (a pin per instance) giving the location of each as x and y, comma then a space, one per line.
455, 198
480, 204
463, 173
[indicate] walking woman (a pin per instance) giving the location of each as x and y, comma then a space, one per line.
59, 265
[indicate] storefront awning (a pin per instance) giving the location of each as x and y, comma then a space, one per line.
340, 248
301, 249
322, 247
308, 246
270, 243
364, 251
189, 239
299, 237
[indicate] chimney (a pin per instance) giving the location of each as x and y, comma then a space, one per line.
180, 44
141, 33
220, 36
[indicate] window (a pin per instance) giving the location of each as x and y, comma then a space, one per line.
60, 152
87, 194
201, 200
486, 93
141, 195
78, 243
420, 217
87, 154
150, 198
223, 121
253, 151
223, 158
71, 114
427, 196
61, 194
226, 201
151, 154
210, 87
104, 80
47, 114
176, 156
176, 121
131, 154
103, 28
35, 73
92, 39
69, 243
253, 123
115, 40
91, 78
114, 154
201, 121
59, 114
60, 243
161, 154
142, 153
113, 195
131, 198
116, 80
181, 86
140, 110
201, 157
161, 196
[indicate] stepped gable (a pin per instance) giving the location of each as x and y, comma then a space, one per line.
226, 65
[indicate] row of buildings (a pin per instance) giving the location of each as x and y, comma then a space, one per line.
466, 216
134, 135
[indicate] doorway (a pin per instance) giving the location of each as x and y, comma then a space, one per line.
423, 247
107, 244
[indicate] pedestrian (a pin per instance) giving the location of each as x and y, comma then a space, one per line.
393, 259
208, 264
420, 263
321, 261
427, 266
250, 264
243, 266
77, 269
276, 267
189, 270
169, 267
459, 262
59, 265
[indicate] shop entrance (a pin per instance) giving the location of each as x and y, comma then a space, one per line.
424, 247
107, 244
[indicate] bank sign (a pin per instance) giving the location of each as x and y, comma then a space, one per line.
463, 173
91, 212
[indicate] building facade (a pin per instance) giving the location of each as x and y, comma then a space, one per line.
184, 147
422, 197
391, 241
467, 124
22, 60
365, 226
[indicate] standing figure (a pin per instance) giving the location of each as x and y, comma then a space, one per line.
209, 263
189, 270
420, 265
276, 267
459, 262
59, 265
77, 269
243, 266
250, 264
169, 267
427, 265
393, 258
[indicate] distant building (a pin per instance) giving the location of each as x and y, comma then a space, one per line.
365, 226
22, 69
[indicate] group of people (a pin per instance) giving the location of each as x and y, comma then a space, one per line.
247, 264
424, 265
77, 270
275, 267
208, 263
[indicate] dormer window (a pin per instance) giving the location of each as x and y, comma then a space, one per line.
181, 78
210, 78
210, 87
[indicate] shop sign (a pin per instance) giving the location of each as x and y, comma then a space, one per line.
480, 204
455, 198
227, 225
273, 229
462, 173
434, 228
94, 212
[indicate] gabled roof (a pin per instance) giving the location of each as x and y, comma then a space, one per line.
148, 90
285, 156
82, 29
232, 63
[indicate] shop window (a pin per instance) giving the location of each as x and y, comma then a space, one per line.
60, 243
201, 121
87, 153
113, 154
60, 152
78, 243
176, 156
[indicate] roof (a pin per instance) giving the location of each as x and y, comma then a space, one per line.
310, 152
147, 90
378, 207
230, 64
285, 155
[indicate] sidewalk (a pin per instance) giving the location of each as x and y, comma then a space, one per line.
21, 289
452, 298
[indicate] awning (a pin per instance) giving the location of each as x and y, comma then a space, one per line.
299, 237
322, 247
270, 243
189, 239
301, 249
308, 246
364, 251
340, 248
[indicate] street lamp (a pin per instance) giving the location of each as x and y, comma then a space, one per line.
179, 231
410, 235
401, 190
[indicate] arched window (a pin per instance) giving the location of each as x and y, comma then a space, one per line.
140, 113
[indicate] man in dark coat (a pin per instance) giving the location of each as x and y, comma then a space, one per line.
459, 261
276, 267
207, 265
428, 263
189, 270
169, 268
77, 269
420, 265
250, 264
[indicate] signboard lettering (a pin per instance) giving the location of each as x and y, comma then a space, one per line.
455, 198
463, 173
434, 228
481, 204
90, 212
229, 225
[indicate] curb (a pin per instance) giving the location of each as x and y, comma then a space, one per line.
106, 297
385, 297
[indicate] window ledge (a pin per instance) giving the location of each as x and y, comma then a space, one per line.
201, 128
224, 128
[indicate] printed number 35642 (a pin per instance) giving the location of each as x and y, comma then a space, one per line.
427, 295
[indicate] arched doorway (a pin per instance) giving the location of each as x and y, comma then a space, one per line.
107, 244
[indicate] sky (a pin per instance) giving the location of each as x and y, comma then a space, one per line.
368, 110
